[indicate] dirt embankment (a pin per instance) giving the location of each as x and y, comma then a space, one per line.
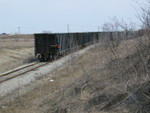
115, 80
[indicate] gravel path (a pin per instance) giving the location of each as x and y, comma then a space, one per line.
19, 82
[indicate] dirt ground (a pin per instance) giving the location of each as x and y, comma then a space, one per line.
102, 80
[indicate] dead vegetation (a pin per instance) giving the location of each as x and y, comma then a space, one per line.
120, 84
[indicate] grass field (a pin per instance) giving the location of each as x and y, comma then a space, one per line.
15, 51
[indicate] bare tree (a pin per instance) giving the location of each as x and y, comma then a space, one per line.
143, 14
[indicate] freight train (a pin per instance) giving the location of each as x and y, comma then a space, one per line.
50, 46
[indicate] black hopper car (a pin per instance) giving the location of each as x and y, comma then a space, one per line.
50, 46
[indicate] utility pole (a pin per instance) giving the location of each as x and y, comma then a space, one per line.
68, 28
98, 28
19, 30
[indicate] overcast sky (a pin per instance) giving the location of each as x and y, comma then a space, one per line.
35, 16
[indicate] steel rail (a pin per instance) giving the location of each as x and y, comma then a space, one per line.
9, 78
5, 74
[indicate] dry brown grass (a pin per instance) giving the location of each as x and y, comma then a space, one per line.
16, 41
15, 50
12, 58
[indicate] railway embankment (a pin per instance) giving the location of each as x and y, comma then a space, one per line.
21, 80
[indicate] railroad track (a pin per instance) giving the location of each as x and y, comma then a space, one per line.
21, 71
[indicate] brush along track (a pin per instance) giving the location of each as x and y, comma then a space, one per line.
21, 71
